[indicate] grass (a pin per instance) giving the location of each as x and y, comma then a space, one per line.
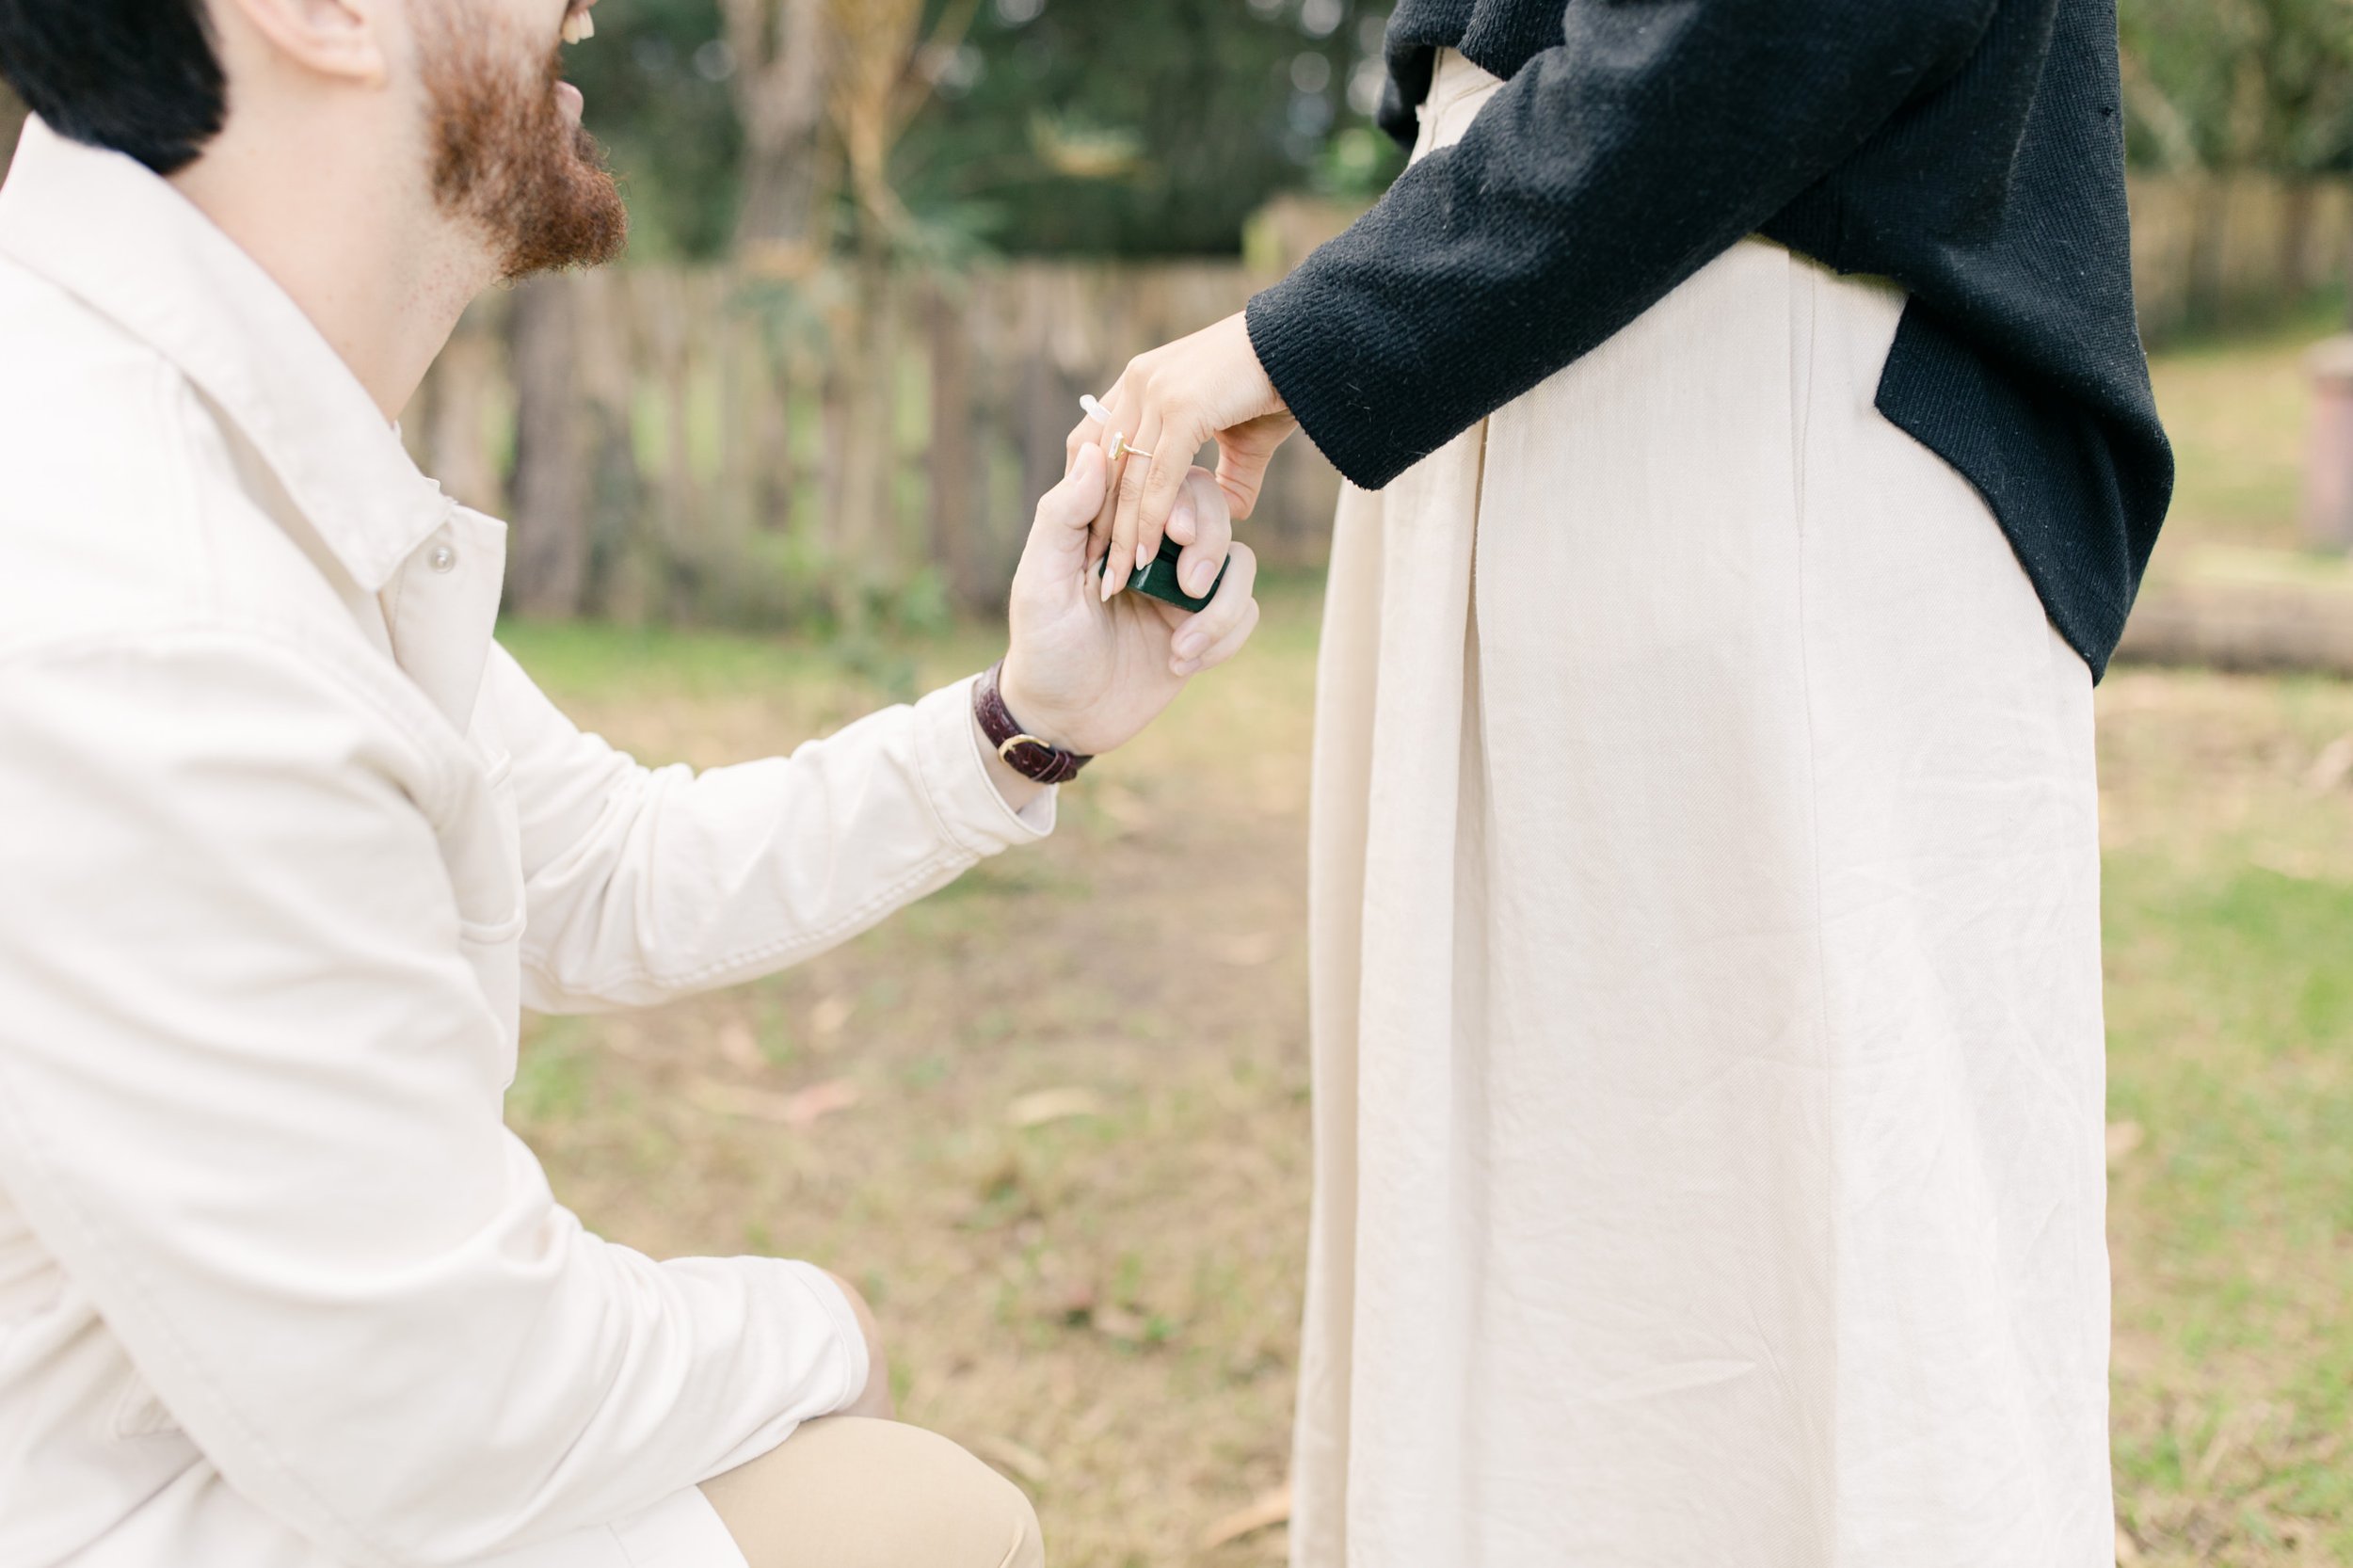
2230, 925
1098, 1290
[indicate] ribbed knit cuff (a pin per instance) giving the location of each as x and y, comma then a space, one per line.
1322, 380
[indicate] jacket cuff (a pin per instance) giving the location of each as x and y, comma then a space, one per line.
956, 774
1323, 380
858, 1361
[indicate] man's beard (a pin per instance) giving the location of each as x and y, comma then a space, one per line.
506, 156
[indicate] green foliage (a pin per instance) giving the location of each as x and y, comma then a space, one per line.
656, 81
2239, 83
1156, 127
1148, 128
1151, 128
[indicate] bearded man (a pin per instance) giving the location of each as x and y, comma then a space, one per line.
289, 841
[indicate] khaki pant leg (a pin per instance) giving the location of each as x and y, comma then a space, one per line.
849, 1493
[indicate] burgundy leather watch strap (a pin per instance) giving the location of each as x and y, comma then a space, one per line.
1023, 752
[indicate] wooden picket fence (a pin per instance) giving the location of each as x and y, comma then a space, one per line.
702, 445
2212, 249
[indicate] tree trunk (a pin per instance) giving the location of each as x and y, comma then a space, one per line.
548, 550
865, 528
780, 48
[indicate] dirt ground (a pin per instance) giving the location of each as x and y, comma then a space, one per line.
1074, 1178
1055, 1118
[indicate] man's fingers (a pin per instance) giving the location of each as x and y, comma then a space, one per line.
1224, 647
1221, 629
1065, 512
1207, 532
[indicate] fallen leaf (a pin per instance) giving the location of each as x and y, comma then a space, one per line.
826, 1018
798, 1109
2332, 767
1249, 950
1271, 1508
2124, 1138
740, 1046
1042, 1106
1025, 1463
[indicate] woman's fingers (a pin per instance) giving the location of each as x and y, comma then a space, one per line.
1098, 433
1218, 631
1129, 553
1244, 453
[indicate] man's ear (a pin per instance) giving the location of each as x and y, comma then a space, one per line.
338, 39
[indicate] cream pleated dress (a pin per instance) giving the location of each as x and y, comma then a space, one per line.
1707, 1018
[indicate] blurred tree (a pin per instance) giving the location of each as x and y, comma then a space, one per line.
2239, 83
659, 79
1149, 128
1153, 127
874, 91
780, 49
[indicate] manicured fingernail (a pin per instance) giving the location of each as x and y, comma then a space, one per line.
1111, 580
1204, 573
1187, 645
1143, 554
1185, 667
1180, 523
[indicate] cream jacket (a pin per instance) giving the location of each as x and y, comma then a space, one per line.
286, 841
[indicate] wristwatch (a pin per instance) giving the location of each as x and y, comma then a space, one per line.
1022, 751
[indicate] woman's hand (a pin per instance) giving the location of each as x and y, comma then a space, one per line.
1169, 403
1088, 675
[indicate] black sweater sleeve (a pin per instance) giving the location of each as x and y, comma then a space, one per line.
1605, 173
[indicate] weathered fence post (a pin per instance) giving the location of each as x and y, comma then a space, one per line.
2328, 453
959, 478
548, 547
456, 407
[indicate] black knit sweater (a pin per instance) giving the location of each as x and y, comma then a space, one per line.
1970, 150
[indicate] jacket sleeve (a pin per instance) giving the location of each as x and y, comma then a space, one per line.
1600, 177
250, 1100
643, 883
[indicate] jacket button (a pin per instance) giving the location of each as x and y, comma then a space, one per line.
442, 559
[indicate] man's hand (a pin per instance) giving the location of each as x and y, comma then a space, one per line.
1087, 675
1169, 403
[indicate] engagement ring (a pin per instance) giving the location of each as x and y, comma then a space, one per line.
1119, 447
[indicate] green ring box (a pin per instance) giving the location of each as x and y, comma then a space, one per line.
1158, 580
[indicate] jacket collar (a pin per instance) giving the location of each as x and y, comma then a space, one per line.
124, 242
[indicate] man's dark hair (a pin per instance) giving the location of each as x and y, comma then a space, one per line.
138, 77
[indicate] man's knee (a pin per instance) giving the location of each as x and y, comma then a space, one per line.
848, 1493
